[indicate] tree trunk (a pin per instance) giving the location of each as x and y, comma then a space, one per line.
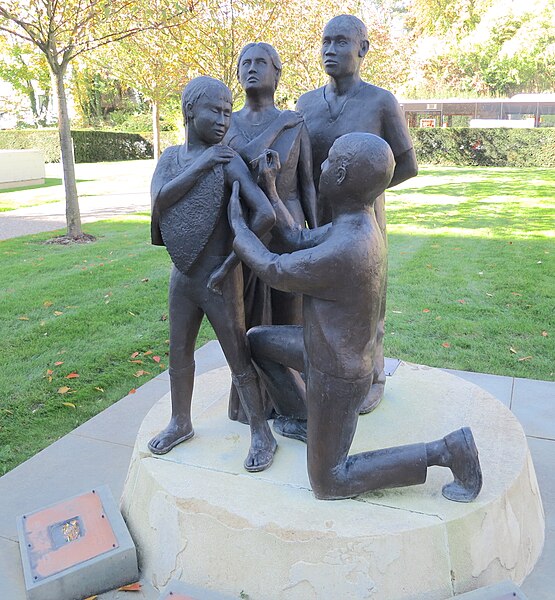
156, 129
73, 217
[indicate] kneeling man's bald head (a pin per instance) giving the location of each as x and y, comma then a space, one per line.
366, 159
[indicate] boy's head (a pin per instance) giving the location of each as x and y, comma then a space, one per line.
344, 46
206, 104
359, 165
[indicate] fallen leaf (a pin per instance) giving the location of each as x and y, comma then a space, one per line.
446, 345
162, 366
516, 294
156, 359
73, 375
147, 353
70, 404
63, 390
544, 333
132, 587
461, 301
98, 389
141, 373
164, 318
49, 371
91, 598
524, 358
429, 266
426, 310
397, 312
138, 362
488, 294
47, 303
512, 350
23, 318
134, 354
144, 280
132, 391
58, 363
58, 313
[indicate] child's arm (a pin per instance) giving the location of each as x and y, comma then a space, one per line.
263, 216
175, 189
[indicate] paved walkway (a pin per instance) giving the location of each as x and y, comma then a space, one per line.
106, 190
80, 461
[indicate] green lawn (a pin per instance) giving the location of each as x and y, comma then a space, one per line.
470, 287
12, 198
471, 278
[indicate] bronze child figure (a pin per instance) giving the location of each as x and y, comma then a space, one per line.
190, 192
340, 270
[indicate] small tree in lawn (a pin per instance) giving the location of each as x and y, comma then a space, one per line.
65, 29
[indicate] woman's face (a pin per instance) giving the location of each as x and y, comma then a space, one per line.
256, 71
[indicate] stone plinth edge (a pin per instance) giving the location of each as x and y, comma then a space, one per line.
198, 517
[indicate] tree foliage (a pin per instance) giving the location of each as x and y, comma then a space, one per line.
65, 29
26, 70
504, 49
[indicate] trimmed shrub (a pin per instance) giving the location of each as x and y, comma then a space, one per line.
89, 145
485, 147
46, 140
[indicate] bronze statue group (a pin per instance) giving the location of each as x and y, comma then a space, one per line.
275, 222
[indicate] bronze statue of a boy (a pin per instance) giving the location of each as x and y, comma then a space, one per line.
340, 270
190, 192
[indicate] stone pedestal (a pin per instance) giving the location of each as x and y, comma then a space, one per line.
198, 517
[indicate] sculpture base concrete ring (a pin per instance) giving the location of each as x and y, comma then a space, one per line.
197, 516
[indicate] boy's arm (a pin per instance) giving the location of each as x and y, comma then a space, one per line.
304, 272
286, 232
306, 181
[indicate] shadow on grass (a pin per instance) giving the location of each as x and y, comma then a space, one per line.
502, 219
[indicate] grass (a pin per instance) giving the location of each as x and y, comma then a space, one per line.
89, 307
471, 270
470, 287
12, 198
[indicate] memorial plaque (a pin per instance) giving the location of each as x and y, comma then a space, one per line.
67, 534
76, 548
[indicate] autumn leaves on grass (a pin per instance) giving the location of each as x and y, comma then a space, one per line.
56, 374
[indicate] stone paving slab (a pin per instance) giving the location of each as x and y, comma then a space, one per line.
534, 406
540, 584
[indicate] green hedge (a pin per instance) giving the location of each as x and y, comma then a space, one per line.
452, 146
485, 147
89, 145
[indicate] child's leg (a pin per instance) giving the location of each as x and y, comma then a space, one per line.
226, 314
185, 319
